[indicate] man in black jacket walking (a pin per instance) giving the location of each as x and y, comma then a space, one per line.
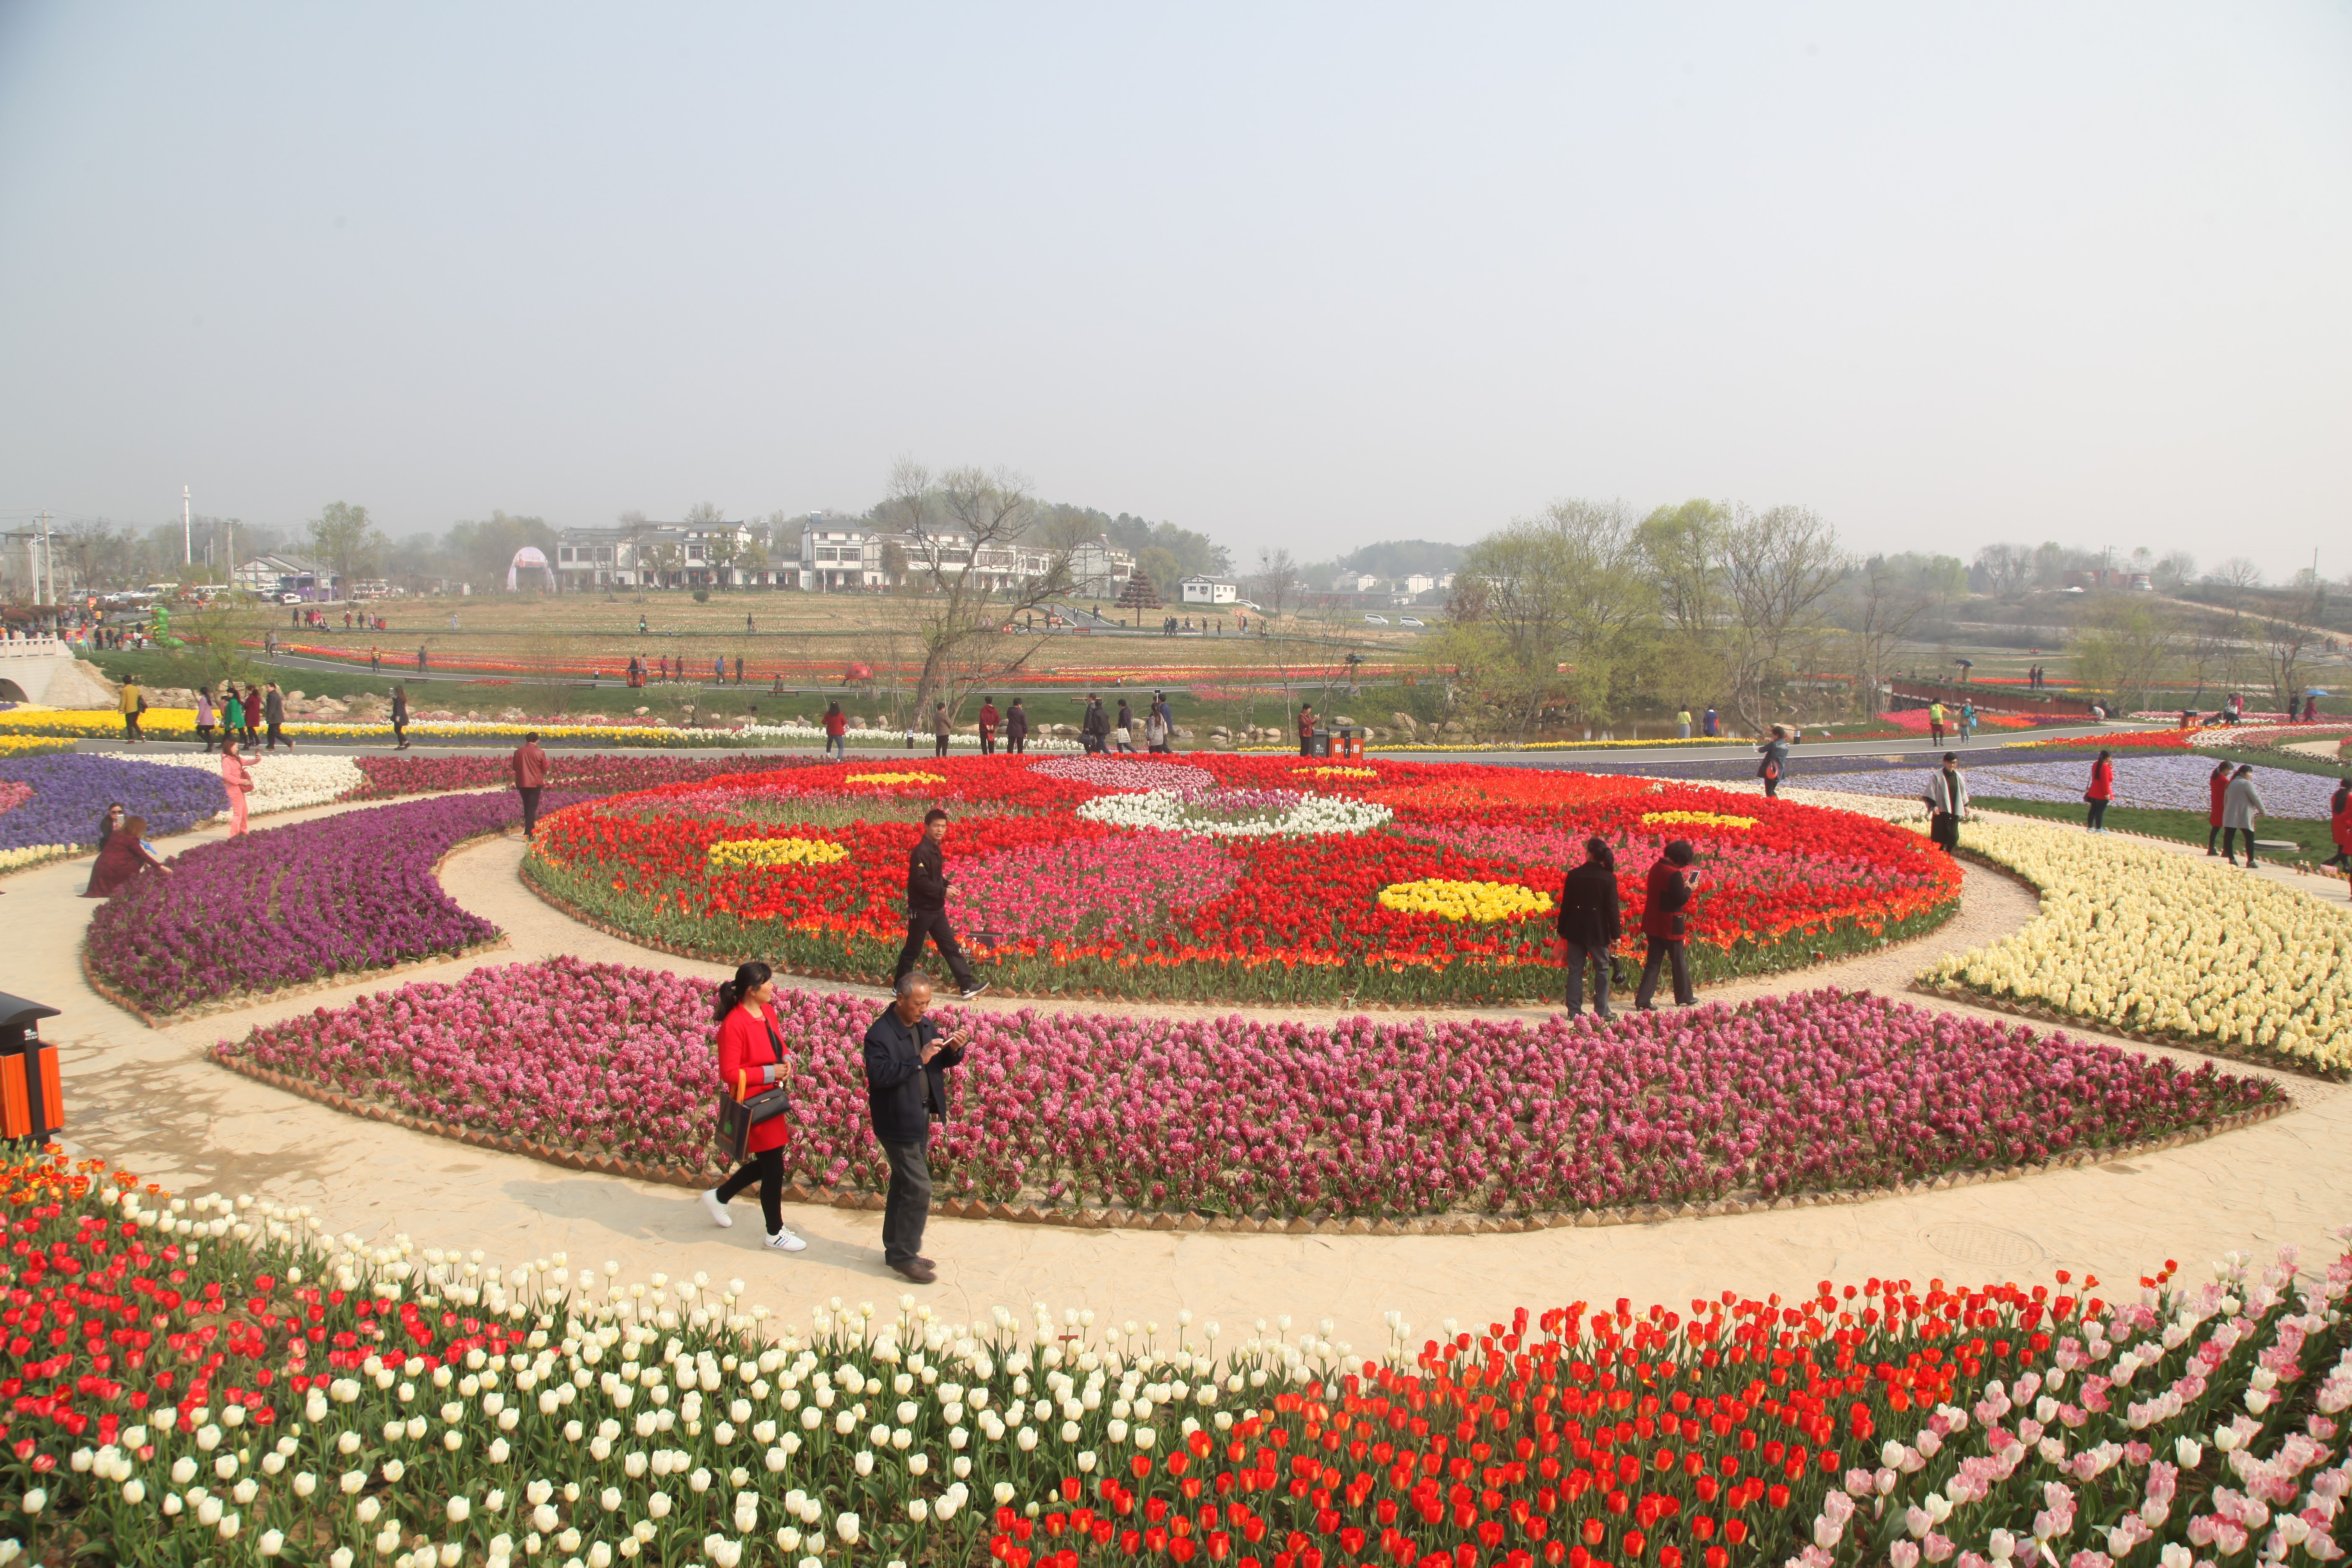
926, 908
1591, 921
273, 709
905, 1092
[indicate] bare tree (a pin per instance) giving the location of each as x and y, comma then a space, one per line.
2237, 573
2127, 648
960, 531
1781, 565
1276, 583
1884, 608
2288, 643
2008, 569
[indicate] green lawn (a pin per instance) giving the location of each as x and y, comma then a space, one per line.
2189, 827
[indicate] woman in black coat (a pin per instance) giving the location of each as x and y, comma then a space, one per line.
1591, 921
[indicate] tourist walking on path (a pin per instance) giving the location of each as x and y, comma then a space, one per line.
1097, 725
941, 729
135, 703
1017, 730
927, 908
1683, 723
237, 779
1155, 730
1775, 762
1948, 804
231, 712
420, 659
2217, 785
989, 720
1123, 732
907, 1062
1967, 722
125, 858
836, 729
752, 1056
1166, 716
273, 713
1305, 731
1935, 723
2102, 790
2339, 825
400, 718
2239, 809
1591, 921
530, 777
1668, 894
207, 716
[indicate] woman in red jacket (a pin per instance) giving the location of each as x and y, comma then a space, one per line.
2102, 790
751, 1053
123, 861
836, 725
2340, 823
2217, 787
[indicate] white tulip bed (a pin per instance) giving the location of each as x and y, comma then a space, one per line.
2143, 939
282, 781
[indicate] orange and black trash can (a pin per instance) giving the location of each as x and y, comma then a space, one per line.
32, 1098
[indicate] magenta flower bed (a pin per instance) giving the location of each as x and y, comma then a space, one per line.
389, 777
1824, 1090
286, 906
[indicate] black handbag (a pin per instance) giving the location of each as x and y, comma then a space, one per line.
740, 1111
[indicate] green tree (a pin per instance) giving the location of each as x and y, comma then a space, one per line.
346, 539
1779, 568
2127, 647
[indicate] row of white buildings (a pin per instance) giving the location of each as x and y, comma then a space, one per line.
832, 554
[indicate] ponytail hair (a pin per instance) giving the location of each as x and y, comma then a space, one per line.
748, 978
1597, 852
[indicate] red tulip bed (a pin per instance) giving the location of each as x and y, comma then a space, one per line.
209, 1381
1253, 878
1812, 1092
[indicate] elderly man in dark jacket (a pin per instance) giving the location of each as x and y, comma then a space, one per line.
927, 908
1094, 729
906, 1091
1591, 921
1667, 895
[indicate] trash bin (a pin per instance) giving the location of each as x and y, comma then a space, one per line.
1319, 744
1351, 744
32, 1100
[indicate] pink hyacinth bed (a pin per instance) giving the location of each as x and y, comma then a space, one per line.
1819, 1091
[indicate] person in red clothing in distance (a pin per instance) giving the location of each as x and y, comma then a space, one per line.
2102, 790
836, 726
751, 1055
2218, 785
530, 777
1305, 731
1667, 896
2339, 825
987, 721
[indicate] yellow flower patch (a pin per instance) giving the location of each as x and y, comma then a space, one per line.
894, 779
31, 745
736, 854
1481, 903
1695, 820
1339, 773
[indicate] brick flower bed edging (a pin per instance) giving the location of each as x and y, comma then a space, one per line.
244, 1000
1150, 1219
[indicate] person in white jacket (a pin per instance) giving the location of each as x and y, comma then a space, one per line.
2239, 809
1948, 804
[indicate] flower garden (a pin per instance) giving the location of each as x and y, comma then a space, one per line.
215, 1381
1261, 879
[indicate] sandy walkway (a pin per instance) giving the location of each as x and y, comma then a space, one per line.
147, 1098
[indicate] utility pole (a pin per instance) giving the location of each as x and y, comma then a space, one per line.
187, 533
48, 571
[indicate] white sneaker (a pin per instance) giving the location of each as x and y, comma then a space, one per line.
717, 1210
785, 1241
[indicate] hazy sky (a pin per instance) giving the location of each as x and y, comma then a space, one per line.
1294, 275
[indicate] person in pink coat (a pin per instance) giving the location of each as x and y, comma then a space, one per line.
239, 778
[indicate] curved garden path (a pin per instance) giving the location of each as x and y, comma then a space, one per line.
148, 1099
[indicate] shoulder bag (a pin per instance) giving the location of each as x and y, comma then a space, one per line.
741, 1110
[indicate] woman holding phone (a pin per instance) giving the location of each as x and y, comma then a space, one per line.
752, 1054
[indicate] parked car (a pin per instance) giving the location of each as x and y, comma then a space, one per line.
289, 598
1376, 620
1407, 621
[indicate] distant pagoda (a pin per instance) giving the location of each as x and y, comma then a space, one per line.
1138, 594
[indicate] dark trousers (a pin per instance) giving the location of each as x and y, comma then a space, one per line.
2098, 817
2229, 843
1771, 786
1661, 949
941, 744
529, 809
131, 726
766, 1166
932, 923
399, 733
2214, 838
1934, 733
988, 743
277, 733
837, 747
1305, 746
907, 1208
1017, 746
1578, 956
205, 734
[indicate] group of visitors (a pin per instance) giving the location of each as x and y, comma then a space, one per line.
255, 713
1938, 717
1710, 726
2235, 801
1591, 919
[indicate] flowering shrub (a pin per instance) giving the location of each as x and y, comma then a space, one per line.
66, 795
254, 1390
387, 777
2140, 938
1297, 914
1802, 1093
286, 906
